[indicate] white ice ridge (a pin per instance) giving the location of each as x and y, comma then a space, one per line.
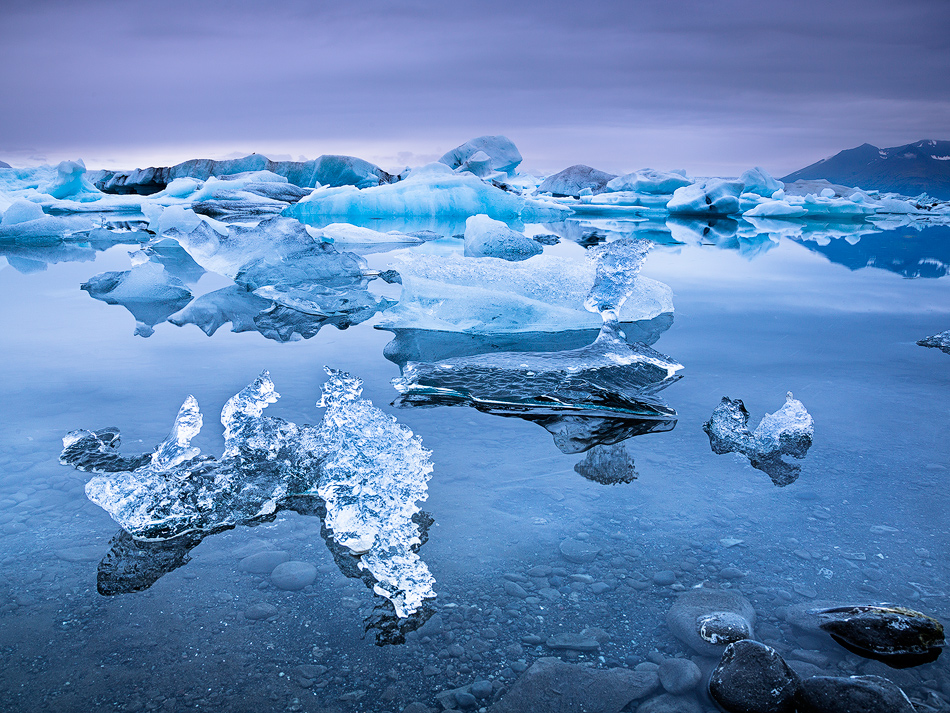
488, 295
370, 471
433, 189
374, 477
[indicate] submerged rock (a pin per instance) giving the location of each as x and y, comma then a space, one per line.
708, 620
788, 431
857, 694
752, 678
553, 686
894, 635
939, 341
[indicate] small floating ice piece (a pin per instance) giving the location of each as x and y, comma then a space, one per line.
939, 341
788, 431
486, 237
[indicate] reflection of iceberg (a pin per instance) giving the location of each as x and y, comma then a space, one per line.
608, 465
490, 296
907, 252
788, 431
279, 261
601, 393
147, 291
369, 471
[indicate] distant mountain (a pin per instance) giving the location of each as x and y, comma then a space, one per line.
922, 167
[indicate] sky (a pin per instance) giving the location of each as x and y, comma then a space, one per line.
711, 86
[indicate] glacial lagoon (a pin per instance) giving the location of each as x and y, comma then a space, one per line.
561, 521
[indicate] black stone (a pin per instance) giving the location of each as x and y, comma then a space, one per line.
753, 678
857, 694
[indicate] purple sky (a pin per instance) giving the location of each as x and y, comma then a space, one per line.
712, 86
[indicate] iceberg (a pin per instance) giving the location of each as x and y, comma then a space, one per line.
431, 190
713, 197
147, 291
369, 472
617, 278
71, 182
939, 341
489, 296
485, 237
788, 431
327, 170
25, 220
758, 181
607, 380
499, 152
574, 180
650, 181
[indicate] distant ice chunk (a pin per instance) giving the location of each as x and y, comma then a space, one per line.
21, 211
610, 384
485, 237
347, 234
370, 472
776, 209
499, 152
162, 219
758, 181
430, 190
573, 180
71, 182
648, 180
788, 431
488, 295
939, 341
147, 291
714, 197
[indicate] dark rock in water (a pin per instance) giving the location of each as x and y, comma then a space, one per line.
753, 678
579, 551
608, 465
857, 694
668, 703
553, 686
893, 635
939, 341
707, 620
679, 675
293, 576
574, 179
572, 642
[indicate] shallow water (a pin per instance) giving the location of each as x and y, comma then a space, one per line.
864, 523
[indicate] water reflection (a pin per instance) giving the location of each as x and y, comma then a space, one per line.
604, 392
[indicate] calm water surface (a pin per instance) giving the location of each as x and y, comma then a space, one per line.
865, 522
